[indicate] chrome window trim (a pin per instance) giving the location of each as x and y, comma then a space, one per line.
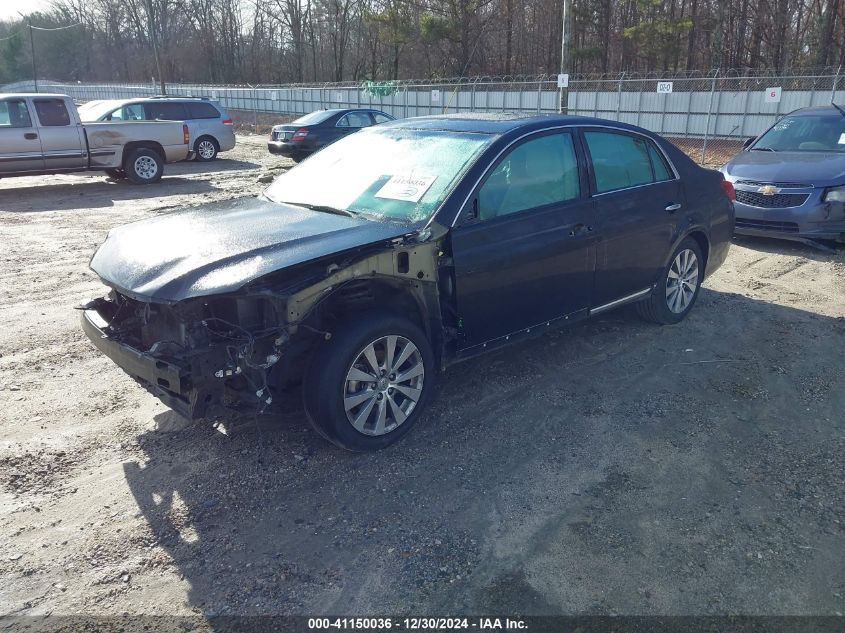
567, 127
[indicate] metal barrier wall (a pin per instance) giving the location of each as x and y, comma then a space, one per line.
708, 115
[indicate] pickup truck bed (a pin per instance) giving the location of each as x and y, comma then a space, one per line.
42, 134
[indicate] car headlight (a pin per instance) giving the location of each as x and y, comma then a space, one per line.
835, 194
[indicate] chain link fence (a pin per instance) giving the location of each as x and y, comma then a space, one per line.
708, 115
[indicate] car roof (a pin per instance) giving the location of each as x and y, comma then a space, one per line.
828, 109
501, 122
22, 95
333, 111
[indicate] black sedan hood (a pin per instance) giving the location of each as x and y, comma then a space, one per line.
221, 247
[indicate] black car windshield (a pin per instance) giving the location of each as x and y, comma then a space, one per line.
388, 172
314, 118
805, 133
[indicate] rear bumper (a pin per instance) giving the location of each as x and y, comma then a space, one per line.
821, 221
290, 150
166, 380
226, 139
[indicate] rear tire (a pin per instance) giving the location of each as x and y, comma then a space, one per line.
206, 149
143, 166
677, 289
361, 408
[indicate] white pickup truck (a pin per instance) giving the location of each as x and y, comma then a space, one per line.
42, 134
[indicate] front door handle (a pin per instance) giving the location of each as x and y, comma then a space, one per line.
673, 207
30, 136
580, 229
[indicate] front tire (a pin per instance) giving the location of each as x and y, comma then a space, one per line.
206, 149
677, 290
367, 386
143, 166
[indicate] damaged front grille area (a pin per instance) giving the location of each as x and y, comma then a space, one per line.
195, 353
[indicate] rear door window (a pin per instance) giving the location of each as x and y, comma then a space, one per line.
378, 117
355, 119
201, 110
14, 113
129, 112
52, 112
166, 111
621, 161
661, 169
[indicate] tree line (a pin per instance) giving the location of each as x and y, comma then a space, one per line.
284, 41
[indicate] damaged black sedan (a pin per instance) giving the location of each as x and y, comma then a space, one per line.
369, 268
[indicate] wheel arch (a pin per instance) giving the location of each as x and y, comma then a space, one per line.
151, 145
213, 138
703, 243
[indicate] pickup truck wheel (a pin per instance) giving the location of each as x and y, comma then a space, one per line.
676, 291
367, 386
143, 166
206, 149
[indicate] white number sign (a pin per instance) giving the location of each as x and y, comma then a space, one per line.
664, 87
563, 80
435, 96
773, 95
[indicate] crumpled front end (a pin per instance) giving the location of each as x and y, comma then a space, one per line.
195, 354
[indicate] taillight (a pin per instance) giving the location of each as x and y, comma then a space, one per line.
227, 121
300, 134
729, 189
186, 136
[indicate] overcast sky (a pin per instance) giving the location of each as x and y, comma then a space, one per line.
10, 8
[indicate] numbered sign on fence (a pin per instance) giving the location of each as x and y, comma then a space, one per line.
435, 96
338, 96
773, 95
563, 80
274, 96
664, 87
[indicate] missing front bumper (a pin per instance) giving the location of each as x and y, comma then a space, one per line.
165, 380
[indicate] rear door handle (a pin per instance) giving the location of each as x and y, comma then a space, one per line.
30, 136
673, 207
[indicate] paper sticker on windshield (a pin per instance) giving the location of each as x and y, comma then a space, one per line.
407, 188
842, 139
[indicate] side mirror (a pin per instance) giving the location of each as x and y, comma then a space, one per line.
748, 142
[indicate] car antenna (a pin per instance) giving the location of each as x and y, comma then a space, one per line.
841, 111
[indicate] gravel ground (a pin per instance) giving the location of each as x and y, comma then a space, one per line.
617, 467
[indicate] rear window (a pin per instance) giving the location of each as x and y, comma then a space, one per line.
314, 118
166, 111
201, 110
52, 112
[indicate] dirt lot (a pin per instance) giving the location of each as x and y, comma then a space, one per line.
614, 468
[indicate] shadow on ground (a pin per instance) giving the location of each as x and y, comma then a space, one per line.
616, 467
816, 251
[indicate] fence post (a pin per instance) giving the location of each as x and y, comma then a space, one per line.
539, 95
619, 95
709, 113
835, 84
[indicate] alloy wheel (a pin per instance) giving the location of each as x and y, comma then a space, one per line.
383, 385
206, 149
682, 281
